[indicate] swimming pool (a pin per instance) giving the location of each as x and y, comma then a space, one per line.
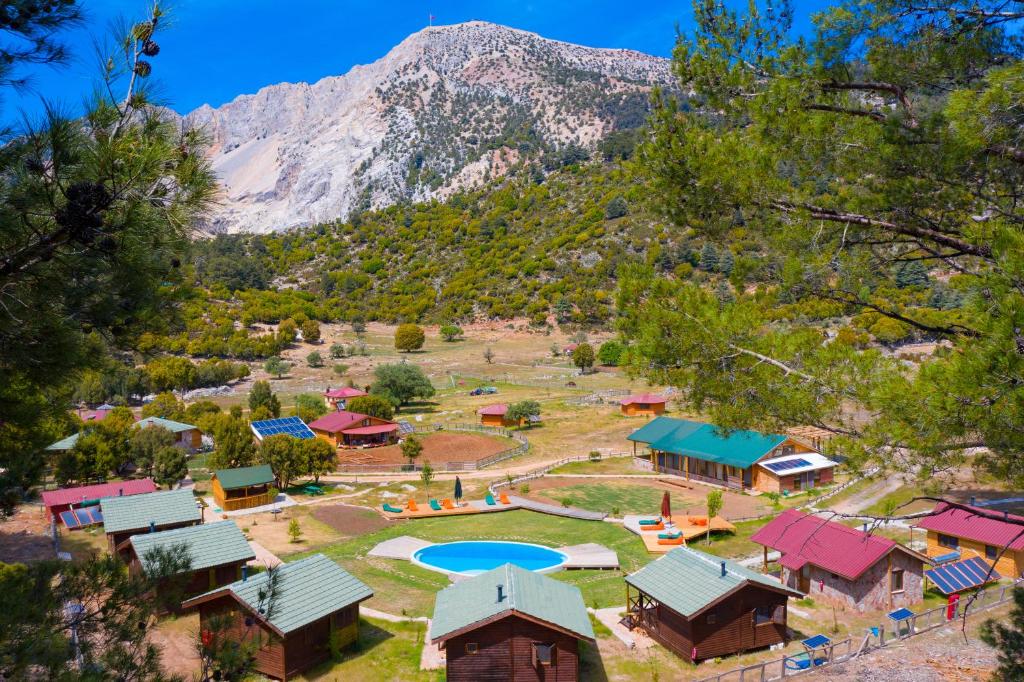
476, 556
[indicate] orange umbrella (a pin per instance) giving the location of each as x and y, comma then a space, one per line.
666, 506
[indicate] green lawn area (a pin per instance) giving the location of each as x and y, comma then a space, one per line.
403, 588
389, 652
618, 499
736, 545
608, 465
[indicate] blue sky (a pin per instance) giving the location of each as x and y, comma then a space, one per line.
215, 50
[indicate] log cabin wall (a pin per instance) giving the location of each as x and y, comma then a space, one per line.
505, 652
269, 648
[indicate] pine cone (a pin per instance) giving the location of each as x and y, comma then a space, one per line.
143, 68
150, 49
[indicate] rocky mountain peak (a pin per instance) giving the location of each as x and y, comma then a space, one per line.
448, 108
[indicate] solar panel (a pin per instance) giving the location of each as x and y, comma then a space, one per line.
405, 428
816, 642
961, 575
788, 464
900, 614
289, 426
93, 515
952, 556
70, 520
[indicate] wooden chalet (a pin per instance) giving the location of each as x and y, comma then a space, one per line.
126, 516
846, 566
497, 416
337, 398
701, 606
217, 553
186, 436
734, 459
313, 605
344, 429
643, 405
966, 531
243, 487
57, 502
511, 624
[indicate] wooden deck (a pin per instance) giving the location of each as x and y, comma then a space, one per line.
680, 523
481, 507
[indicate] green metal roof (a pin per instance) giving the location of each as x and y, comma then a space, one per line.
307, 590
532, 594
65, 443
169, 424
736, 448
133, 512
244, 476
209, 544
686, 580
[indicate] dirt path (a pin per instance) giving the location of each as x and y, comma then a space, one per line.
869, 496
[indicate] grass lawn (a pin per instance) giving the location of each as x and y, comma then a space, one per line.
609, 497
736, 545
389, 652
900, 496
403, 588
609, 465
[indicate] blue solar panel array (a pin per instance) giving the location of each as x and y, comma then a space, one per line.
962, 575
405, 428
79, 518
289, 426
788, 464
816, 642
900, 614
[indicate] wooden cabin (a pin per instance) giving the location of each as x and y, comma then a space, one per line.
497, 416
243, 487
313, 605
217, 553
511, 624
845, 566
701, 606
56, 502
337, 398
643, 405
344, 429
186, 436
126, 516
972, 531
734, 459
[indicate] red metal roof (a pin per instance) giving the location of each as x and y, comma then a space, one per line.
806, 539
342, 421
344, 392
370, 430
644, 399
55, 498
497, 410
970, 523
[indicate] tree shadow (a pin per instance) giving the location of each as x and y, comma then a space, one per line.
370, 636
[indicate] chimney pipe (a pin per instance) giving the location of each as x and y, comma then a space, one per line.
1006, 515
501, 593
723, 569
245, 573
865, 526
973, 498
120, 492
152, 526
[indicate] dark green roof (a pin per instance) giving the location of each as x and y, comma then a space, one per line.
134, 512
687, 581
542, 598
738, 448
209, 544
169, 424
244, 476
64, 443
307, 590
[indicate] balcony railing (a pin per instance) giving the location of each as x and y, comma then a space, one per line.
733, 483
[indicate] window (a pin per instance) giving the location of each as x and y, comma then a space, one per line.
712, 618
543, 654
991, 552
948, 541
762, 615
472, 647
897, 580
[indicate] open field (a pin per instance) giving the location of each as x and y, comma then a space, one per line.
640, 496
438, 448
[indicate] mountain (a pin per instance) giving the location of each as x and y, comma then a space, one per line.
448, 109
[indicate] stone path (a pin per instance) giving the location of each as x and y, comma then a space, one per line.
264, 557
610, 618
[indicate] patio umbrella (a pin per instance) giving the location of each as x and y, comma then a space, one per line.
666, 506
458, 488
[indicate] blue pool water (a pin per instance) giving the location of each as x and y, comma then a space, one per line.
473, 557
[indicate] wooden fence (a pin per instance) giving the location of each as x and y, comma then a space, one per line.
448, 467
886, 633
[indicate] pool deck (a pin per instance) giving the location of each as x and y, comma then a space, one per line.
423, 510
586, 556
680, 523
